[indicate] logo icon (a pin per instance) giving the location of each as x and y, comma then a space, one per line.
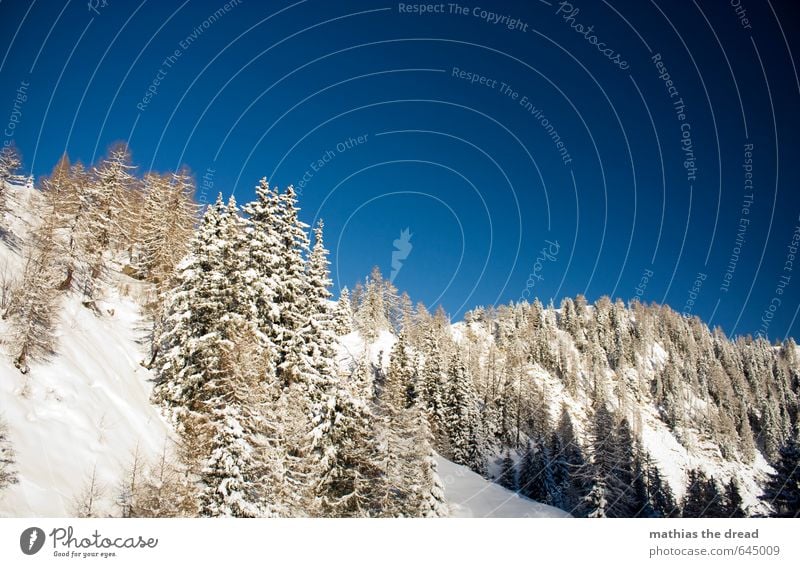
403, 248
31, 541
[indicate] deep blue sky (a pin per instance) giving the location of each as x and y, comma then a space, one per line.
268, 88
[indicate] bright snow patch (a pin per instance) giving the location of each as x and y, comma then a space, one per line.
469, 495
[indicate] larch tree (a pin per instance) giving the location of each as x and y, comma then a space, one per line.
10, 162
165, 225
33, 310
8, 473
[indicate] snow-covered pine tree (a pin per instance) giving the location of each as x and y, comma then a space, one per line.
433, 383
508, 473
531, 477
291, 283
462, 418
192, 312
611, 470
343, 453
343, 314
734, 505
662, 499
701, 493
348, 466
228, 477
413, 485
216, 378
782, 490
569, 466
262, 241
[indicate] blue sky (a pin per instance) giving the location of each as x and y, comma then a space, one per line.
533, 149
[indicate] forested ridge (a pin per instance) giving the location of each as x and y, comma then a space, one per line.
560, 403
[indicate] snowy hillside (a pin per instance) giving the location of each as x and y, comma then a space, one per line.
469, 495
84, 410
603, 410
674, 457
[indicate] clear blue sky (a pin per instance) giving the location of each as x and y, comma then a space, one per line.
488, 132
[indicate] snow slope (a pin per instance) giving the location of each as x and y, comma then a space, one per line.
469, 495
86, 407
89, 406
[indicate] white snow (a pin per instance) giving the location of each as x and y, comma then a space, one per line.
87, 406
469, 495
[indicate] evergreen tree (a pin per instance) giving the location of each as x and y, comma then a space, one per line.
782, 490
414, 488
508, 473
734, 505
343, 314
662, 499
460, 409
261, 239
703, 498
433, 384
228, 487
537, 477
344, 451
213, 375
194, 311
569, 467
610, 474
350, 477
291, 288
